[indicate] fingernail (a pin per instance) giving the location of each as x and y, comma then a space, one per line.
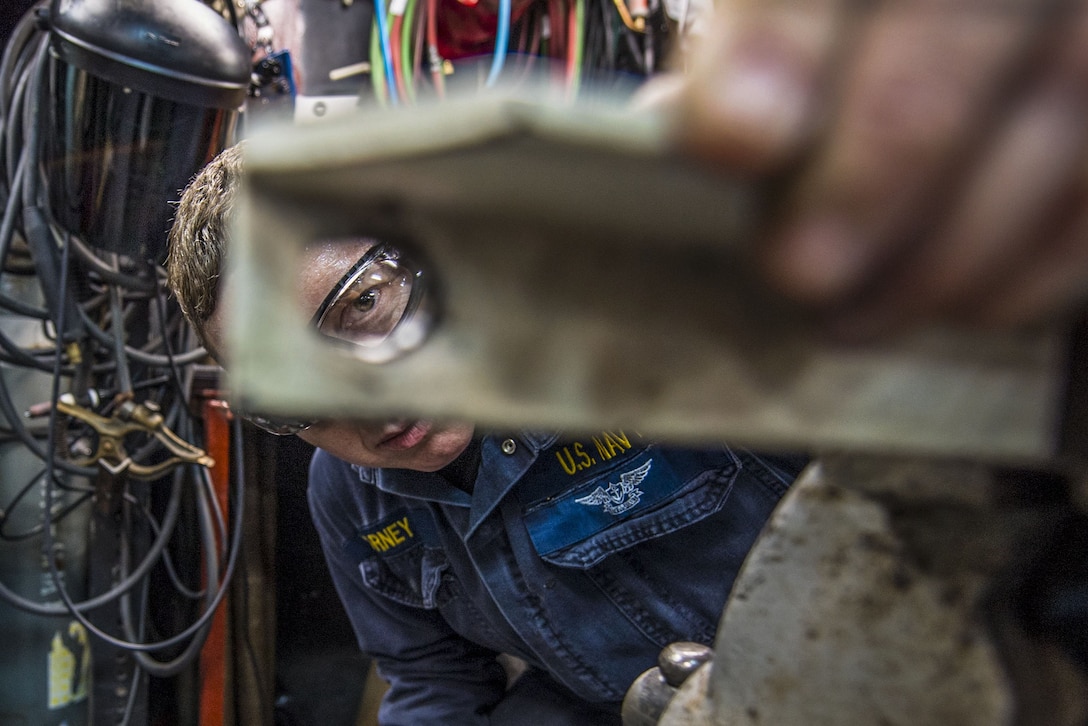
817, 261
756, 86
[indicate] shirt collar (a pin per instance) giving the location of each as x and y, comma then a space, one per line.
501, 466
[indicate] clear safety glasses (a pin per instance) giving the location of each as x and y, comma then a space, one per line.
379, 310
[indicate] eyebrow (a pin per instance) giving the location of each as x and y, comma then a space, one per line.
367, 257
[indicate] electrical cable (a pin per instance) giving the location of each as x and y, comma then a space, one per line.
607, 25
124, 377
130, 702
396, 55
168, 349
153, 555
22, 356
577, 36
24, 29
14, 61
233, 17
76, 609
54, 518
625, 16
105, 271
383, 44
502, 41
148, 383
406, 61
418, 45
120, 353
15, 418
12, 154
141, 571
649, 59
557, 42
218, 516
31, 112
433, 56
521, 45
13, 140
175, 665
7, 233
140, 356
377, 67
167, 525
633, 48
91, 300
168, 563
35, 227
531, 32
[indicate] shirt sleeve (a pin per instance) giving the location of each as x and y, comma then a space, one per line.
435, 676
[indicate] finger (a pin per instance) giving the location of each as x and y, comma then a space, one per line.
753, 90
920, 91
1008, 211
1054, 284
1022, 191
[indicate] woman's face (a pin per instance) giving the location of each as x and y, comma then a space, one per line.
418, 444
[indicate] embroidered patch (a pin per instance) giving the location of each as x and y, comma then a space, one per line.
557, 520
394, 533
397, 532
619, 496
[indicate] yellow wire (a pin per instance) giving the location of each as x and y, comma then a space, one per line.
639, 25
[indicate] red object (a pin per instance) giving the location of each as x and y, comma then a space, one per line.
394, 44
467, 29
213, 656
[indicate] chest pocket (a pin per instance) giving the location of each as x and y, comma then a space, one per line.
399, 559
652, 493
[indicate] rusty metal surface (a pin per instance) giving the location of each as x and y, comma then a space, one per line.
592, 279
691, 705
880, 593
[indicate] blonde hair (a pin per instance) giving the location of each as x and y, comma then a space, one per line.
200, 236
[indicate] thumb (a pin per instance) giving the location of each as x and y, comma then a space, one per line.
751, 98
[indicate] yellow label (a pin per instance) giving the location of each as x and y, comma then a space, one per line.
581, 455
389, 537
69, 666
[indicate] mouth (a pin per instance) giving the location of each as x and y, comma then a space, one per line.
405, 435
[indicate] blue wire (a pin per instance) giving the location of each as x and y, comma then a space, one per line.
502, 39
387, 55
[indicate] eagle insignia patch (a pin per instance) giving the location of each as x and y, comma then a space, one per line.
618, 497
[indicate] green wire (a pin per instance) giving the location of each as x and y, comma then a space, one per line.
377, 67
579, 45
407, 61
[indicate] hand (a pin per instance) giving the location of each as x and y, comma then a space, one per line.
934, 152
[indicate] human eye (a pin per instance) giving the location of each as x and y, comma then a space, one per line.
365, 302
369, 311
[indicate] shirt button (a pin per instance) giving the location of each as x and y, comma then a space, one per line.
509, 447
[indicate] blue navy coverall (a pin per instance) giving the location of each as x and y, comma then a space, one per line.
584, 557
